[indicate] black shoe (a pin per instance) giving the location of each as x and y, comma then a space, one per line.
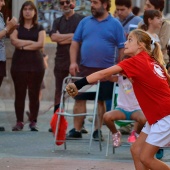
2, 129
96, 135
50, 130
73, 134
83, 130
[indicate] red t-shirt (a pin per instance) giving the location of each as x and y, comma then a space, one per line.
150, 85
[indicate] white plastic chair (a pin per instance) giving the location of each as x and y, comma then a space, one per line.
88, 88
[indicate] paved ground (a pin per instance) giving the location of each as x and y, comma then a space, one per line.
36, 150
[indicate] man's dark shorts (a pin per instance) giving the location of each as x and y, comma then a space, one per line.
106, 87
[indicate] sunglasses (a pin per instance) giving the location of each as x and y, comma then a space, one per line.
63, 2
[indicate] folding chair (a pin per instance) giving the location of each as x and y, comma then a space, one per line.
114, 98
63, 112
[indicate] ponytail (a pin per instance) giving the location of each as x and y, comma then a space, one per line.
158, 56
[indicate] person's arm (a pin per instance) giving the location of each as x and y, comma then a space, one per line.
3, 33
62, 38
74, 49
72, 88
36, 45
112, 78
18, 43
10, 26
99, 75
56, 36
45, 61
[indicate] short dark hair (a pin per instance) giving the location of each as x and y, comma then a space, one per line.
126, 3
135, 10
158, 4
108, 2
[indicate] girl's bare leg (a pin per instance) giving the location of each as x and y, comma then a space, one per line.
136, 150
110, 117
140, 119
143, 155
148, 159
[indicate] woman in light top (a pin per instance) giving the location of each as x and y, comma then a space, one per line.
152, 24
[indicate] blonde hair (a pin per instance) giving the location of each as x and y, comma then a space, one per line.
145, 40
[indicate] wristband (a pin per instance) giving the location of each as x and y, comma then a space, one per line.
80, 83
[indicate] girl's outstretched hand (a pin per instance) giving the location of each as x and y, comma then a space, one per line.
72, 89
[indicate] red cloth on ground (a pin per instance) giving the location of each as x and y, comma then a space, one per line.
63, 124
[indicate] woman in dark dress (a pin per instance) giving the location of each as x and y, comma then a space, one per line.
27, 67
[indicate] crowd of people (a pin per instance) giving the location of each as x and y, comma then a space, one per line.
126, 45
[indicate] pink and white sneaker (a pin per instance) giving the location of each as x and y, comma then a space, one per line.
116, 139
132, 137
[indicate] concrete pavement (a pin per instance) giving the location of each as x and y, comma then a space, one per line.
27, 150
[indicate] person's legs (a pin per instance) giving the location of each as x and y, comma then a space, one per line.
101, 111
147, 158
34, 84
136, 150
79, 107
109, 118
99, 120
1, 79
140, 119
20, 86
147, 144
59, 77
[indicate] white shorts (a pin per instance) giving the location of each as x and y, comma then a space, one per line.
158, 133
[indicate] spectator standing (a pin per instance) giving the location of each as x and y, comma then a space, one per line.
164, 32
125, 15
152, 23
27, 67
45, 58
62, 33
4, 30
98, 36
